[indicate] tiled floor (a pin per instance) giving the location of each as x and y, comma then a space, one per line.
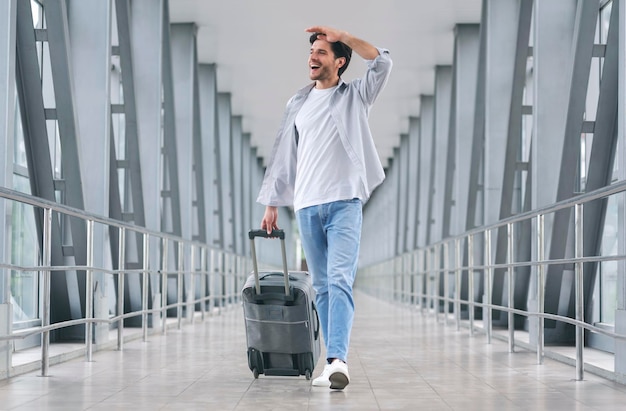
399, 360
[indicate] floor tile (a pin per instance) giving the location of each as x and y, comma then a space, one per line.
399, 360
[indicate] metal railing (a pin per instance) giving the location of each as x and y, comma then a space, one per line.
220, 272
415, 277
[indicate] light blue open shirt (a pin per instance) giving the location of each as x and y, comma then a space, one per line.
349, 108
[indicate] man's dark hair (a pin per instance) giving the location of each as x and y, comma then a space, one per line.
339, 50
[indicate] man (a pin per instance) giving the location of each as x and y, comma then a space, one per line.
325, 164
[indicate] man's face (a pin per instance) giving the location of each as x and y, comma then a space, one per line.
322, 62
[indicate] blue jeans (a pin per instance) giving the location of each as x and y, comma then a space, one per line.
331, 235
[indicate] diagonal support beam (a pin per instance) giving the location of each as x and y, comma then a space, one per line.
210, 153
67, 288
601, 161
171, 216
584, 32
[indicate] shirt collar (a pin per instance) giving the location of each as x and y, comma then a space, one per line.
306, 89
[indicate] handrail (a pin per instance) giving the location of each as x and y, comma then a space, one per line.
600, 193
425, 270
24, 198
219, 269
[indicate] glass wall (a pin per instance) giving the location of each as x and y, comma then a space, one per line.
24, 248
24, 244
605, 295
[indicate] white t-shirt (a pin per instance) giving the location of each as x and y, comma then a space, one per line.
324, 171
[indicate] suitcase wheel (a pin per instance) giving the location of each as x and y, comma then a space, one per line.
307, 374
255, 372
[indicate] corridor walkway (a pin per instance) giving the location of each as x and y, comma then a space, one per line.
399, 360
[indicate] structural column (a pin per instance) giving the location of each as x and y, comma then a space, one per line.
145, 38
563, 35
207, 80
465, 70
247, 194
414, 182
183, 43
401, 166
505, 42
225, 176
620, 314
439, 152
91, 62
7, 134
237, 159
426, 141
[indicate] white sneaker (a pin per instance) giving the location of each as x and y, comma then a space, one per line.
322, 380
338, 375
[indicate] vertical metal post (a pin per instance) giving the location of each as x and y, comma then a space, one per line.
470, 288
400, 270
540, 284
242, 276
144, 286
229, 276
237, 273
179, 285
212, 284
203, 278
511, 284
415, 275
226, 280
121, 266
488, 279
394, 282
437, 286
45, 273
412, 280
457, 283
402, 278
236, 270
191, 304
580, 313
408, 266
235, 277
415, 303
620, 313
421, 279
427, 274
219, 271
89, 293
446, 282
164, 274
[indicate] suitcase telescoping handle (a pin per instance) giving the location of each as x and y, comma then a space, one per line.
252, 234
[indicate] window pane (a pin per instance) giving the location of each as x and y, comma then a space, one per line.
24, 252
608, 273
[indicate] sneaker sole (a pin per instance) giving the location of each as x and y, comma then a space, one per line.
338, 381
321, 384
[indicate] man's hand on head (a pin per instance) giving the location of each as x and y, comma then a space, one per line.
331, 35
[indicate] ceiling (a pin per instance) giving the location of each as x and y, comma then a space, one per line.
260, 49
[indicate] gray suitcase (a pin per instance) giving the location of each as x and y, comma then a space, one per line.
282, 326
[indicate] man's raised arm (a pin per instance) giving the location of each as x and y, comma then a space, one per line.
361, 47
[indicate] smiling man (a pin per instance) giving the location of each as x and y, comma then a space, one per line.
324, 164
